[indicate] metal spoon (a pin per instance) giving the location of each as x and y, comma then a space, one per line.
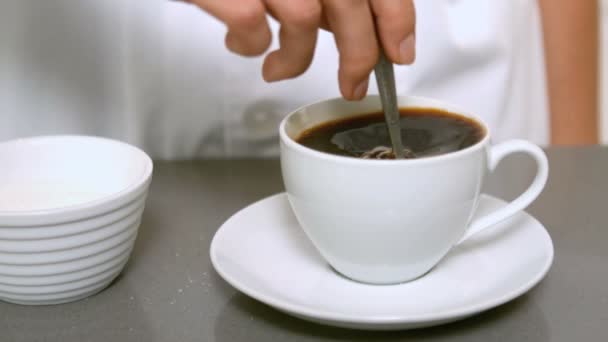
385, 77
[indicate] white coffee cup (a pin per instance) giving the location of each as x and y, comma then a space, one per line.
391, 221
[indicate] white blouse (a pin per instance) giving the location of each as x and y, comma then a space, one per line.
155, 73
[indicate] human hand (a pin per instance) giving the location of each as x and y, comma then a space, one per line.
359, 27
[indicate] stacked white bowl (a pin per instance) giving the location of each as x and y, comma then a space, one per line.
70, 209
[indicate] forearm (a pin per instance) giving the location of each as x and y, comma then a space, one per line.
571, 53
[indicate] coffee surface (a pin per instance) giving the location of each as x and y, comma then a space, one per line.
425, 132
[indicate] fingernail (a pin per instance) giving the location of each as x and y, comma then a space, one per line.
360, 90
407, 49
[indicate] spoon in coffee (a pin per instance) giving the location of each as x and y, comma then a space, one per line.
385, 78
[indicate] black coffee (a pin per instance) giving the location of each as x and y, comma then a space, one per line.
425, 132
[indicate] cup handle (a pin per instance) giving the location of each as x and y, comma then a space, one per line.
497, 153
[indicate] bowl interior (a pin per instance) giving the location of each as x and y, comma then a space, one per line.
62, 171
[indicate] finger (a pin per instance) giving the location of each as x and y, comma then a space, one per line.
248, 30
353, 27
396, 24
298, 36
324, 23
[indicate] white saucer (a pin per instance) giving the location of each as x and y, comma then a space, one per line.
263, 252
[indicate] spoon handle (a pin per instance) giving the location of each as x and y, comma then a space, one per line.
385, 78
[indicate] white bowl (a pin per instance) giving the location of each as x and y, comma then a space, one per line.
70, 209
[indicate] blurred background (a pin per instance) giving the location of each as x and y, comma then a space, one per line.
139, 71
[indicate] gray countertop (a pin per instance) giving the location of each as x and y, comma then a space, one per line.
170, 292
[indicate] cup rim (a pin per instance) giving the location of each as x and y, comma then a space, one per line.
52, 215
291, 143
